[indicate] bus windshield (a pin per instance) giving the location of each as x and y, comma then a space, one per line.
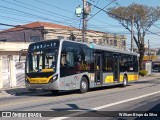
42, 61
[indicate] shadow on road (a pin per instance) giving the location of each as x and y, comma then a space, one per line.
76, 111
153, 114
25, 92
155, 81
13, 91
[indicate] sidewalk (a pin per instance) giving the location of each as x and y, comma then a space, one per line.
22, 90
148, 77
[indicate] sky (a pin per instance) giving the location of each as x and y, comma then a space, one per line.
18, 12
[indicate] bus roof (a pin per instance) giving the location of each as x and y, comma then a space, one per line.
95, 46
107, 48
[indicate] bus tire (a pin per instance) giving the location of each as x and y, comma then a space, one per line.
83, 85
125, 81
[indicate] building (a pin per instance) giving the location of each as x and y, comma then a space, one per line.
11, 69
37, 31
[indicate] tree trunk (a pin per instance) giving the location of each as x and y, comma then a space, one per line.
141, 52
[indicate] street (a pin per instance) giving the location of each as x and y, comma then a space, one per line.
137, 98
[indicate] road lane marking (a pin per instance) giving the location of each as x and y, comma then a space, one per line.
104, 106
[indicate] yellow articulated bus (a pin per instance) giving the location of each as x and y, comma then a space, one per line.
61, 65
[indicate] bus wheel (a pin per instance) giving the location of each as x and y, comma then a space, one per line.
125, 81
83, 85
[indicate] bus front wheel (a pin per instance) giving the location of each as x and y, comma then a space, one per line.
83, 85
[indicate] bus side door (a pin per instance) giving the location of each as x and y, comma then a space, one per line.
98, 68
116, 71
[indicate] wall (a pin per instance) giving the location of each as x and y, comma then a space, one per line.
11, 70
20, 36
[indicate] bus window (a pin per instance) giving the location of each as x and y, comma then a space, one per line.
70, 59
84, 59
63, 60
36, 61
108, 62
50, 59
67, 59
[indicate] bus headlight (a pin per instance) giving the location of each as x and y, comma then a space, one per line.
54, 78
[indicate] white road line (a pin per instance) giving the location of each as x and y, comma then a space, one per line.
104, 106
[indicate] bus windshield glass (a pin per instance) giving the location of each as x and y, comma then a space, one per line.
42, 60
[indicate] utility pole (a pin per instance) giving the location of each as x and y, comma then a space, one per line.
84, 17
85, 12
149, 50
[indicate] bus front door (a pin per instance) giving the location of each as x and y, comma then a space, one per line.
116, 72
98, 68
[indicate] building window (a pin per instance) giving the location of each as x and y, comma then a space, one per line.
34, 38
60, 37
78, 39
104, 41
95, 40
99, 41
111, 42
107, 41
86, 40
67, 38
123, 43
4, 40
115, 42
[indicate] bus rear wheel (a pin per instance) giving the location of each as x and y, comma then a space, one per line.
83, 85
125, 81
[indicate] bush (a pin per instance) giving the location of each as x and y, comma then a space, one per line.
143, 72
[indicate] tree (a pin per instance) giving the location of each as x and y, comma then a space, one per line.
143, 16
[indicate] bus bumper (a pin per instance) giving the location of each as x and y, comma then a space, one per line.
49, 86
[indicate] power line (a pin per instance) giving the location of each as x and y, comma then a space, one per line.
101, 9
156, 26
53, 6
39, 9
21, 26
96, 4
36, 10
153, 33
15, 19
27, 14
32, 15
52, 13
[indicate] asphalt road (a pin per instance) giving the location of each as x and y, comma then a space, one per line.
132, 102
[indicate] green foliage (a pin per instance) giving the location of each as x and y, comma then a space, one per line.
143, 72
